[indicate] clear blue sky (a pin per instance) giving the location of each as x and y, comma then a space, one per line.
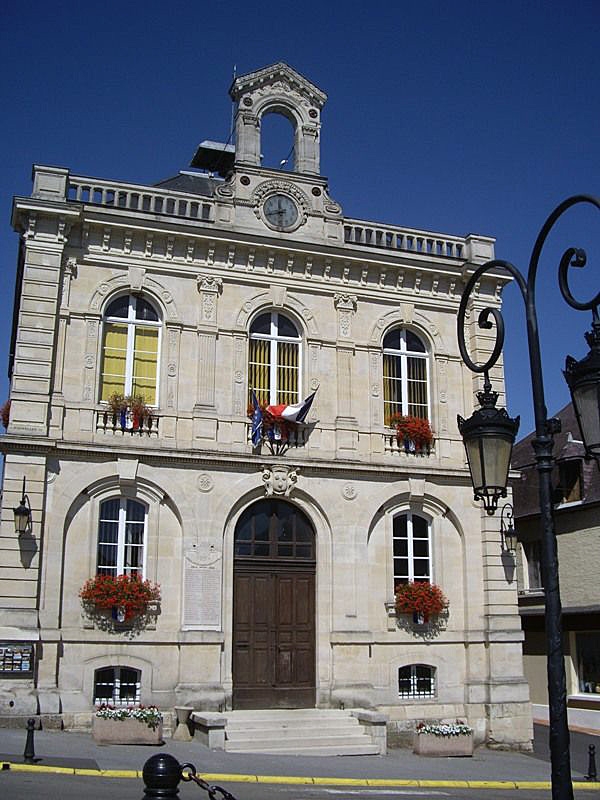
464, 117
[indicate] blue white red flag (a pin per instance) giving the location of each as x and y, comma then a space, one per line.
293, 413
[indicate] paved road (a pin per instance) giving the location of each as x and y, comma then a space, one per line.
30, 786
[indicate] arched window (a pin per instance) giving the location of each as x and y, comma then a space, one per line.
405, 375
416, 680
121, 535
130, 349
274, 529
274, 360
117, 686
412, 548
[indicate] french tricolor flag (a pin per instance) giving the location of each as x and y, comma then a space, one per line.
294, 413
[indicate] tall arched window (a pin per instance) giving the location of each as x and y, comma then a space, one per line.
405, 375
412, 548
130, 349
121, 535
274, 360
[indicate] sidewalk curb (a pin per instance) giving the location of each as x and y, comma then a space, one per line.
298, 780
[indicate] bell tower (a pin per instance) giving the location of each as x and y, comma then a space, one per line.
278, 89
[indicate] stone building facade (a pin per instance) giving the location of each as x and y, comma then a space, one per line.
277, 562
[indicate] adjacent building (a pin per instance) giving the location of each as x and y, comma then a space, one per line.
150, 322
577, 518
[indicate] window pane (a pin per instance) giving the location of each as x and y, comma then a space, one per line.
104, 685
109, 510
145, 356
286, 327
413, 343
287, 373
421, 547
421, 568
114, 356
136, 512
144, 311
258, 370
401, 547
261, 324
129, 685
391, 340
400, 525
420, 527
118, 307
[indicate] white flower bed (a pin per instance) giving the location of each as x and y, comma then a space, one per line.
445, 729
150, 715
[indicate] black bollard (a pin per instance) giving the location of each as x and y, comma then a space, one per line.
29, 753
161, 775
592, 775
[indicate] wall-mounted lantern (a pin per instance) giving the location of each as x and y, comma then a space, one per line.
23, 514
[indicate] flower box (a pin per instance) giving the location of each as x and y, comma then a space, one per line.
125, 731
453, 739
133, 725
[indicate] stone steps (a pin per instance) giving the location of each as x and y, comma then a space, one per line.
297, 732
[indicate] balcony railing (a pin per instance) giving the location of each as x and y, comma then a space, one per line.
392, 444
277, 442
390, 237
139, 198
114, 423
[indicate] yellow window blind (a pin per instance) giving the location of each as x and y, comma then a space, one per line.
258, 370
145, 359
114, 356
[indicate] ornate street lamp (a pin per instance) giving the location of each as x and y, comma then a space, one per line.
489, 433
507, 529
489, 436
23, 514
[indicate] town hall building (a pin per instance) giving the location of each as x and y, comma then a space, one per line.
208, 381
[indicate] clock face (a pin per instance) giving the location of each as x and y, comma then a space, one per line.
280, 211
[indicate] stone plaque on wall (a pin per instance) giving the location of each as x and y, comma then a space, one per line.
202, 589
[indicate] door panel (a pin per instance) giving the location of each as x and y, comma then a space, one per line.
273, 636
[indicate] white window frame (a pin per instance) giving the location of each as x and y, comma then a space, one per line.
131, 322
274, 338
120, 568
116, 699
404, 354
410, 547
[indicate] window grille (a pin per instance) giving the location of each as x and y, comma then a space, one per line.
416, 681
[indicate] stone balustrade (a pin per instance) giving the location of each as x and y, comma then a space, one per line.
139, 198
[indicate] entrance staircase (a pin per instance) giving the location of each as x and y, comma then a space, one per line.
301, 731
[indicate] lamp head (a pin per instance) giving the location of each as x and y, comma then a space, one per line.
488, 436
583, 379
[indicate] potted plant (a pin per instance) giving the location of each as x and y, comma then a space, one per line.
119, 599
443, 739
414, 433
129, 411
140, 412
421, 599
131, 725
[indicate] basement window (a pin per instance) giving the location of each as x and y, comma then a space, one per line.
416, 681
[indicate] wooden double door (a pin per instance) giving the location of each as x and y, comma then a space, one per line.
274, 608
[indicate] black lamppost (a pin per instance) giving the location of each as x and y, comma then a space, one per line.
507, 529
489, 434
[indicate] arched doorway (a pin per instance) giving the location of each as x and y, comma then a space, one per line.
274, 608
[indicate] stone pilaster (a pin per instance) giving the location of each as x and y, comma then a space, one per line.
346, 423
205, 415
